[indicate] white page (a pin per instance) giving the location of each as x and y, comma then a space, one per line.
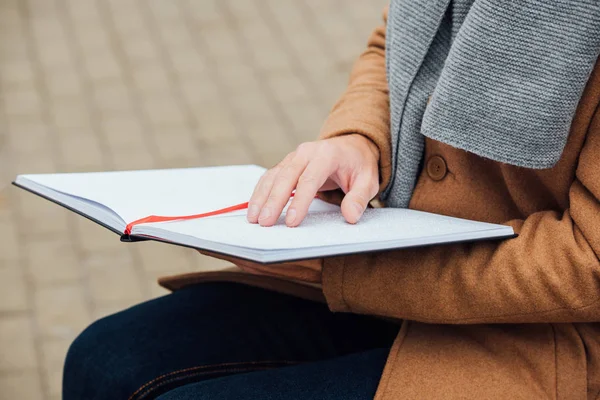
325, 229
171, 192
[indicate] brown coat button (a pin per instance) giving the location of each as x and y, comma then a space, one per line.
436, 168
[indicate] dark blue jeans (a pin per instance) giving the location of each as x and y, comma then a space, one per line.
228, 341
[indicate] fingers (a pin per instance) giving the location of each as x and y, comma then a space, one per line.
282, 188
357, 199
263, 189
275, 187
312, 179
341, 162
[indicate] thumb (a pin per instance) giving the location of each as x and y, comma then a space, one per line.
357, 199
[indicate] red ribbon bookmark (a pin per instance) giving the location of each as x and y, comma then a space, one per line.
158, 218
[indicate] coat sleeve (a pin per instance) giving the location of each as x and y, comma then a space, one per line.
550, 273
364, 106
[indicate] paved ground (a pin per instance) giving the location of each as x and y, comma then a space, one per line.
91, 85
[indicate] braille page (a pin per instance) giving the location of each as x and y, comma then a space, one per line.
322, 230
170, 192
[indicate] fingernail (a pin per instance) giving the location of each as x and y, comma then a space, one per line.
264, 214
290, 217
253, 210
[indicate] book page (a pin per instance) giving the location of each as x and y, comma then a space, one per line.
171, 192
324, 229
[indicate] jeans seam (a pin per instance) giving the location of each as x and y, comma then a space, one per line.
150, 389
203, 370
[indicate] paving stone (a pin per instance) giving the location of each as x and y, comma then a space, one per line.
103, 67
175, 34
163, 110
10, 241
22, 385
224, 49
113, 277
175, 143
205, 263
254, 106
204, 11
133, 159
165, 10
92, 36
287, 11
61, 310
161, 259
64, 83
152, 78
22, 102
123, 132
56, 57
43, 163
271, 58
17, 351
186, 62
70, 114
239, 78
52, 260
76, 160
224, 154
140, 50
200, 92
128, 24
47, 30
13, 290
287, 87
114, 99
83, 10
53, 353
17, 74
38, 217
92, 237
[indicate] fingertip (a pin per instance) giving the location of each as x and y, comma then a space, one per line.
352, 211
253, 212
267, 217
290, 217
265, 224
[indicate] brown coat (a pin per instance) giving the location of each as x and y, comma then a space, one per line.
517, 319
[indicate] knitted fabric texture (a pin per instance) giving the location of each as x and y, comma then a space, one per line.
504, 77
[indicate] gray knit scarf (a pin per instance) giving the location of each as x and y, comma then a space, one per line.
505, 78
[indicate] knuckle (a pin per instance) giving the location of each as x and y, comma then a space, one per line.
307, 179
288, 173
305, 148
326, 147
289, 157
269, 174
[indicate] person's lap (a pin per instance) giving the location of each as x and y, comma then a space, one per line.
352, 377
226, 340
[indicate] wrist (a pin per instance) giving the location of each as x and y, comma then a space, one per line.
366, 142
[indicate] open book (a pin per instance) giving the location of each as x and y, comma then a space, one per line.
117, 199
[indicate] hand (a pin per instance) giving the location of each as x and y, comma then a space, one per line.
305, 271
347, 162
